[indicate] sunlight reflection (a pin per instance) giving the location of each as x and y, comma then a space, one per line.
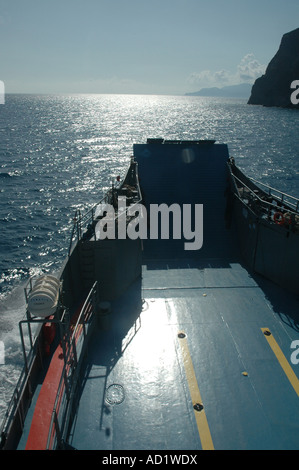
188, 155
153, 344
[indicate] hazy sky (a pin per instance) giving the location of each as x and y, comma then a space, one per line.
138, 46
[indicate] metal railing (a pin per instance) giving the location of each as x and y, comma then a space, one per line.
16, 411
84, 225
29, 328
75, 347
85, 222
280, 196
277, 200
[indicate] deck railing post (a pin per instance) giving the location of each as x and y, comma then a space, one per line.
23, 347
74, 351
66, 385
57, 430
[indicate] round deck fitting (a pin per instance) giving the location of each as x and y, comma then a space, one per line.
198, 407
115, 394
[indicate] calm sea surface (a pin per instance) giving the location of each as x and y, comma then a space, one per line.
59, 153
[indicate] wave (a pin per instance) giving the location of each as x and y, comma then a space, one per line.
9, 174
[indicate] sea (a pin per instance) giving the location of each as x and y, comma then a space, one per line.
59, 153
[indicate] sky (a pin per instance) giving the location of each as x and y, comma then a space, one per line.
138, 46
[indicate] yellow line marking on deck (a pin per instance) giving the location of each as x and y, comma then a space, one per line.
199, 412
282, 359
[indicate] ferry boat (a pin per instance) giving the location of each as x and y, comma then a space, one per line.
182, 337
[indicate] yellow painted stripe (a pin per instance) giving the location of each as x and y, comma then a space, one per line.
200, 416
282, 360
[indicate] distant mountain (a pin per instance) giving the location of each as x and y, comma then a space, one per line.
242, 90
274, 88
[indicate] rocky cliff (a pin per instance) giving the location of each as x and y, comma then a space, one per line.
274, 88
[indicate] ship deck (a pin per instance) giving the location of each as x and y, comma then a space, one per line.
183, 363
198, 353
